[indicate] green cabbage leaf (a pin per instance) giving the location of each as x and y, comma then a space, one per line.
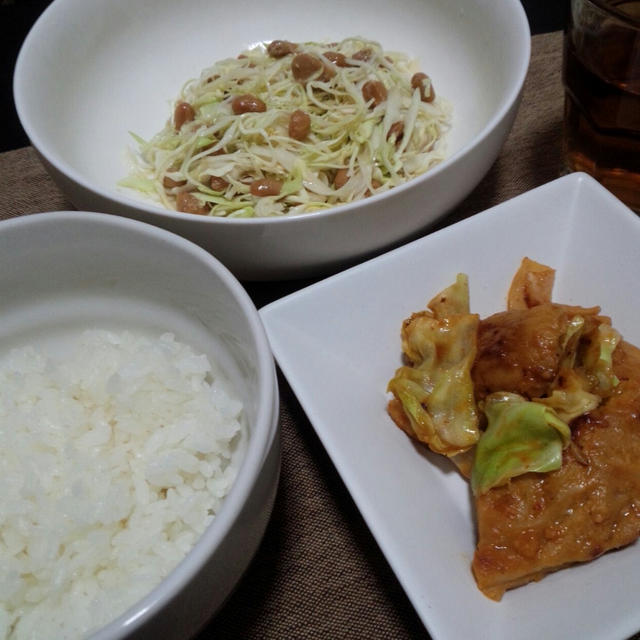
598, 359
521, 437
436, 391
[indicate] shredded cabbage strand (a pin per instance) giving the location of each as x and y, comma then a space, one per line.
379, 145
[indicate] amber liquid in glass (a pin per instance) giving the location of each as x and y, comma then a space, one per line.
602, 105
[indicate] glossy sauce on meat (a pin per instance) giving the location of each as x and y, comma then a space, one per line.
539, 523
520, 350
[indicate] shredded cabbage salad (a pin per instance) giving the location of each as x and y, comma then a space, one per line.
289, 128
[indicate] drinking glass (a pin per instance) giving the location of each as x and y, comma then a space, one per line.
601, 76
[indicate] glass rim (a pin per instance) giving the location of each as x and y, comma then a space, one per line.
605, 6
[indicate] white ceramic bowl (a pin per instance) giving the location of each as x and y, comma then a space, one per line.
66, 271
90, 72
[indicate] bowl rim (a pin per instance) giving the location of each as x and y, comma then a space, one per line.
265, 426
518, 21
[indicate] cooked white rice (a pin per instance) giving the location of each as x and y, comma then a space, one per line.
113, 461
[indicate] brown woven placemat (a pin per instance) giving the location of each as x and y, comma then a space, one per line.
319, 573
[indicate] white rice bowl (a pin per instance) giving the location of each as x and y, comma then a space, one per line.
138, 417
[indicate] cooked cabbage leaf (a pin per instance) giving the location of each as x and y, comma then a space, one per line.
571, 341
532, 285
571, 399
521, 437
570, 396
436, 392
452, 300
586, 370
597, 359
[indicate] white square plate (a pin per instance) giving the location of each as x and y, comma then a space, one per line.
338, 344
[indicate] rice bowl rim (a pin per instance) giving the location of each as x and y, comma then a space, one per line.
262, 434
